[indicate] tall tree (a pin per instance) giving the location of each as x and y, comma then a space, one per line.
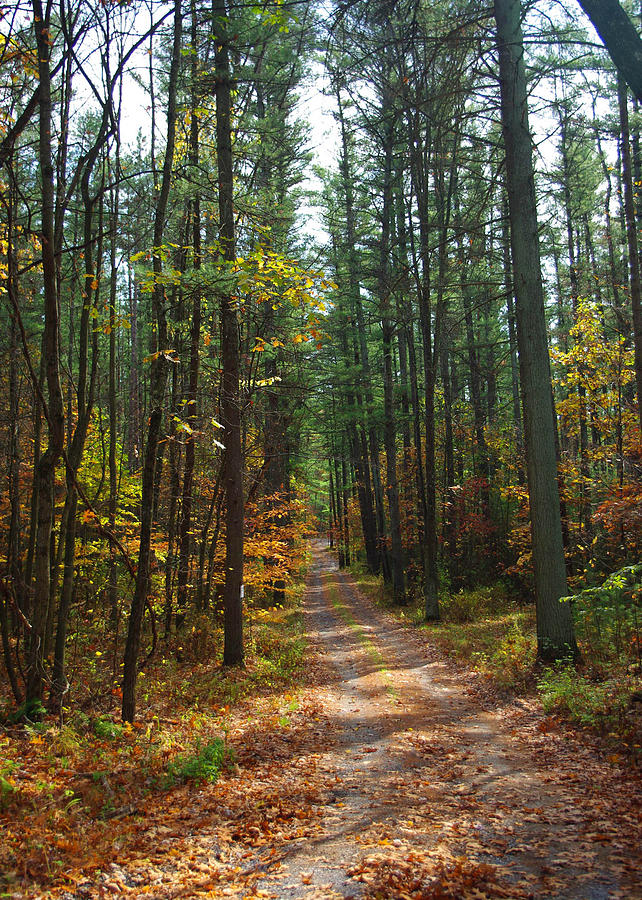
159, 364
620, 39
555, 633
632, 239
54, 414
233, 653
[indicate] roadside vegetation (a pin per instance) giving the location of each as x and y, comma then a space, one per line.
76, 789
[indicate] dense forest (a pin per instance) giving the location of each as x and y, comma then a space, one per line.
277, 270
443, 365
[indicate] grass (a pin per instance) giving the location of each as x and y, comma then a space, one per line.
204, 763
484, 628
601, 705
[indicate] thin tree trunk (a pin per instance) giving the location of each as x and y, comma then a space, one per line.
632, 240
345, 500
512, 341
51, 351
134, 429
583, 512
85, 401
372, 539
385, 307
195, 338
14, 567
157, 394
112, 397
201, 602
420, 160
233, 653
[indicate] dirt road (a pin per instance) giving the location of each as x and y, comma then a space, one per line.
431, 796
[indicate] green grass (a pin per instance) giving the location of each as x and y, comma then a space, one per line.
595, 704
374, 654
203, 764
484, 628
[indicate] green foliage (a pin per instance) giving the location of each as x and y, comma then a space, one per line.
511, 664
281, 661
30, 711
471, 605
106, 729
7, 783
64, 743
589, 703
609, 616
203, 764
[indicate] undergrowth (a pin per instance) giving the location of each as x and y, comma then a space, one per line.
64, 780
597, 704
204, 763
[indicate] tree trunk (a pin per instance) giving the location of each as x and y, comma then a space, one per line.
555, 634
632, 241
420, 160
584, 508
385, 307
372, 539
14, 567
51, 351
195, 338
620, 38
233, 653
512, 341
112, 401
85, 401
157, 394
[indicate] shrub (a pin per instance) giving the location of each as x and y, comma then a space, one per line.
471, 605
609, 617
106, 729
30, 711
598, 705
204, 764
7, 782
201, 639
511, 664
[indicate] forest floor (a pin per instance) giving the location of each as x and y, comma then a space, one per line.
389, 774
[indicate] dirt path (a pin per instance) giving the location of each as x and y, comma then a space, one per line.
387, 777
429, 793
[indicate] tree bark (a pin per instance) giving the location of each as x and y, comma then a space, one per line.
555, 634
620, 38
632, 241
195, 338
157, 394
372, 539
51, 351
233, 653
385, 307
420, 152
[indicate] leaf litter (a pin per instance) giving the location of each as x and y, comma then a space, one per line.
432, 790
